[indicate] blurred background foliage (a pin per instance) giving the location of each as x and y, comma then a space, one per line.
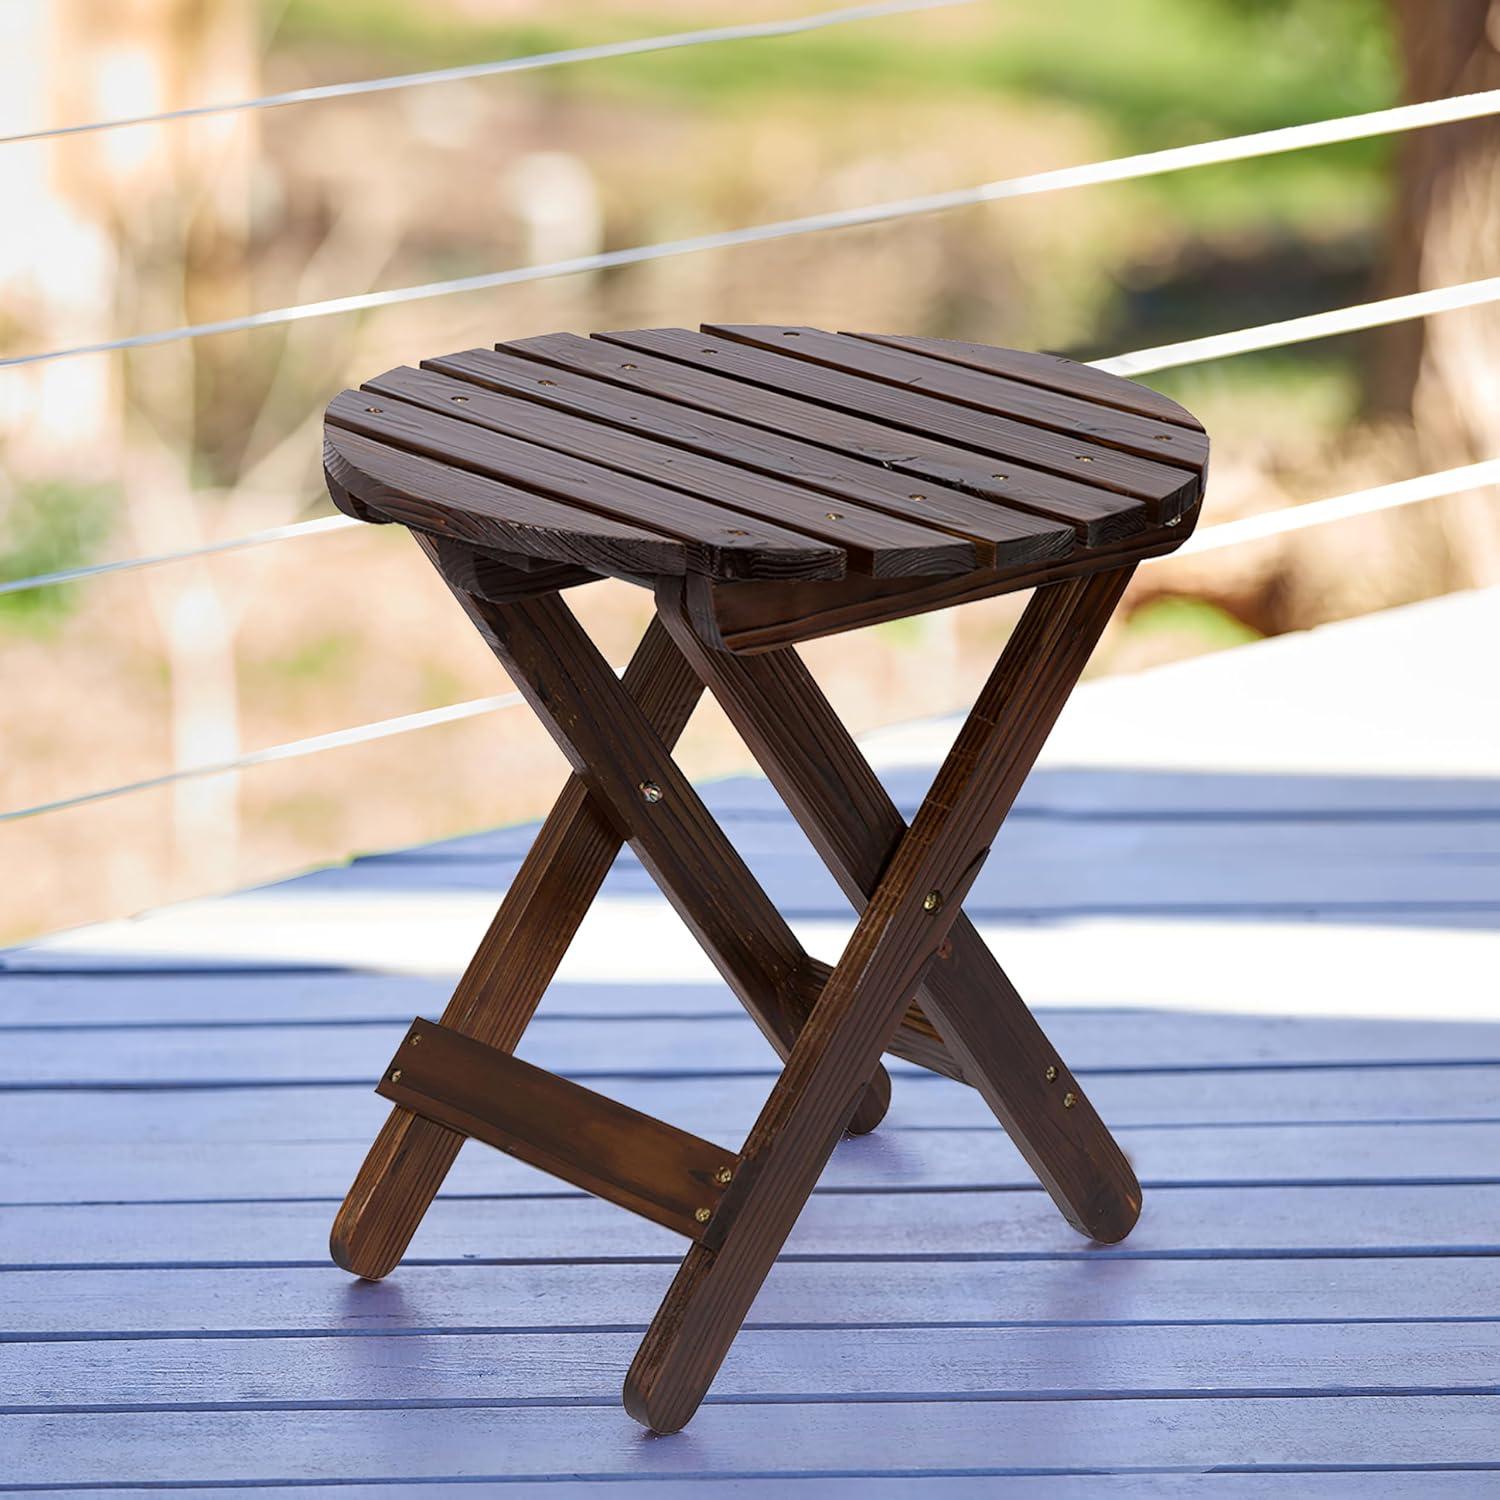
121, 678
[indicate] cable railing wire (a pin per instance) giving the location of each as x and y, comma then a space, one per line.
1118, 169
1327, 324
745, 32
1227, 534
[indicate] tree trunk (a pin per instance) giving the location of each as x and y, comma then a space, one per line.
1444, 371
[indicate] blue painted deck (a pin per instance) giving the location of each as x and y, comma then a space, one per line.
1309, 1307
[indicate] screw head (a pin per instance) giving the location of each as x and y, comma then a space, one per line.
650, 792
703, 1215
1069, 1100
395, 1075
462, 400
724, 1176
414, 1039
373, 410
932, 901
833, 515
1051, 1074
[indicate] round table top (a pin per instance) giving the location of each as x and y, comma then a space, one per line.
749, 452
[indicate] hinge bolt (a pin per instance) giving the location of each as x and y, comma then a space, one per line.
650, 792
703, 1215
1051, 1074
723, 1176
395, 1075
932, 901
1069, 1100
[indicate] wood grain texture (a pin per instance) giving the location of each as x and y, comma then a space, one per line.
1096, 515
984, 390
860, 1007
1050, 372
1155, 485
505, 980
712, 538
1003, 535
631, 1159
849, 816
873, 540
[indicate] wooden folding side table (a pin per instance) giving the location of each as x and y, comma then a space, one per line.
770, 485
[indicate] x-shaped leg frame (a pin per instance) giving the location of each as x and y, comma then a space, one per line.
830, 1026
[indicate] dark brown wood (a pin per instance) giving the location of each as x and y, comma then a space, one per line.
654, 1169
713, 538
874, 542
919, 896
1003, 536
1050, 372
630, 771
508, 974
371, 480
850, 819
1097, 515
746, 621
984, 390
764, 483
1158, 486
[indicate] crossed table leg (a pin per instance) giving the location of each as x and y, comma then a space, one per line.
831, 1027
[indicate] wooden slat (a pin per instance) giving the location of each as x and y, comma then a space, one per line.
716, 540
631, 1159
1049, 372
1004, 535
990, 1293
1165, 491
1236, 1223
910, 369
567, 1365
969, 1159
973, 1437
875, 543
1096, 515
402, 487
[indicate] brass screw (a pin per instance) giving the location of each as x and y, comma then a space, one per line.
999, 476
395, 1075
546, 382
916, 497
1069, 1100
703, 1215
932, 901
416, 1038
723, 1176
834, 515
627, 366
1051, 1074
650, 792
459, 399
1083, 458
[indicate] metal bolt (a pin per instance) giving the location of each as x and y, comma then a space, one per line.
374, 410
724, 1176
932, 901
546, 382
1069, 1100
999, 476
1083, 458
1051, 1074
395, 1075
650, 792
627, 366
459, 399
703, 1215
916, 497
834, 515
1175, 521
416, 1037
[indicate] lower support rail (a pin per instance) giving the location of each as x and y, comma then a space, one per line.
668, 1175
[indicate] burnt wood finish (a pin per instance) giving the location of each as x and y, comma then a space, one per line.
907, 919
641, 1163
770, 485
